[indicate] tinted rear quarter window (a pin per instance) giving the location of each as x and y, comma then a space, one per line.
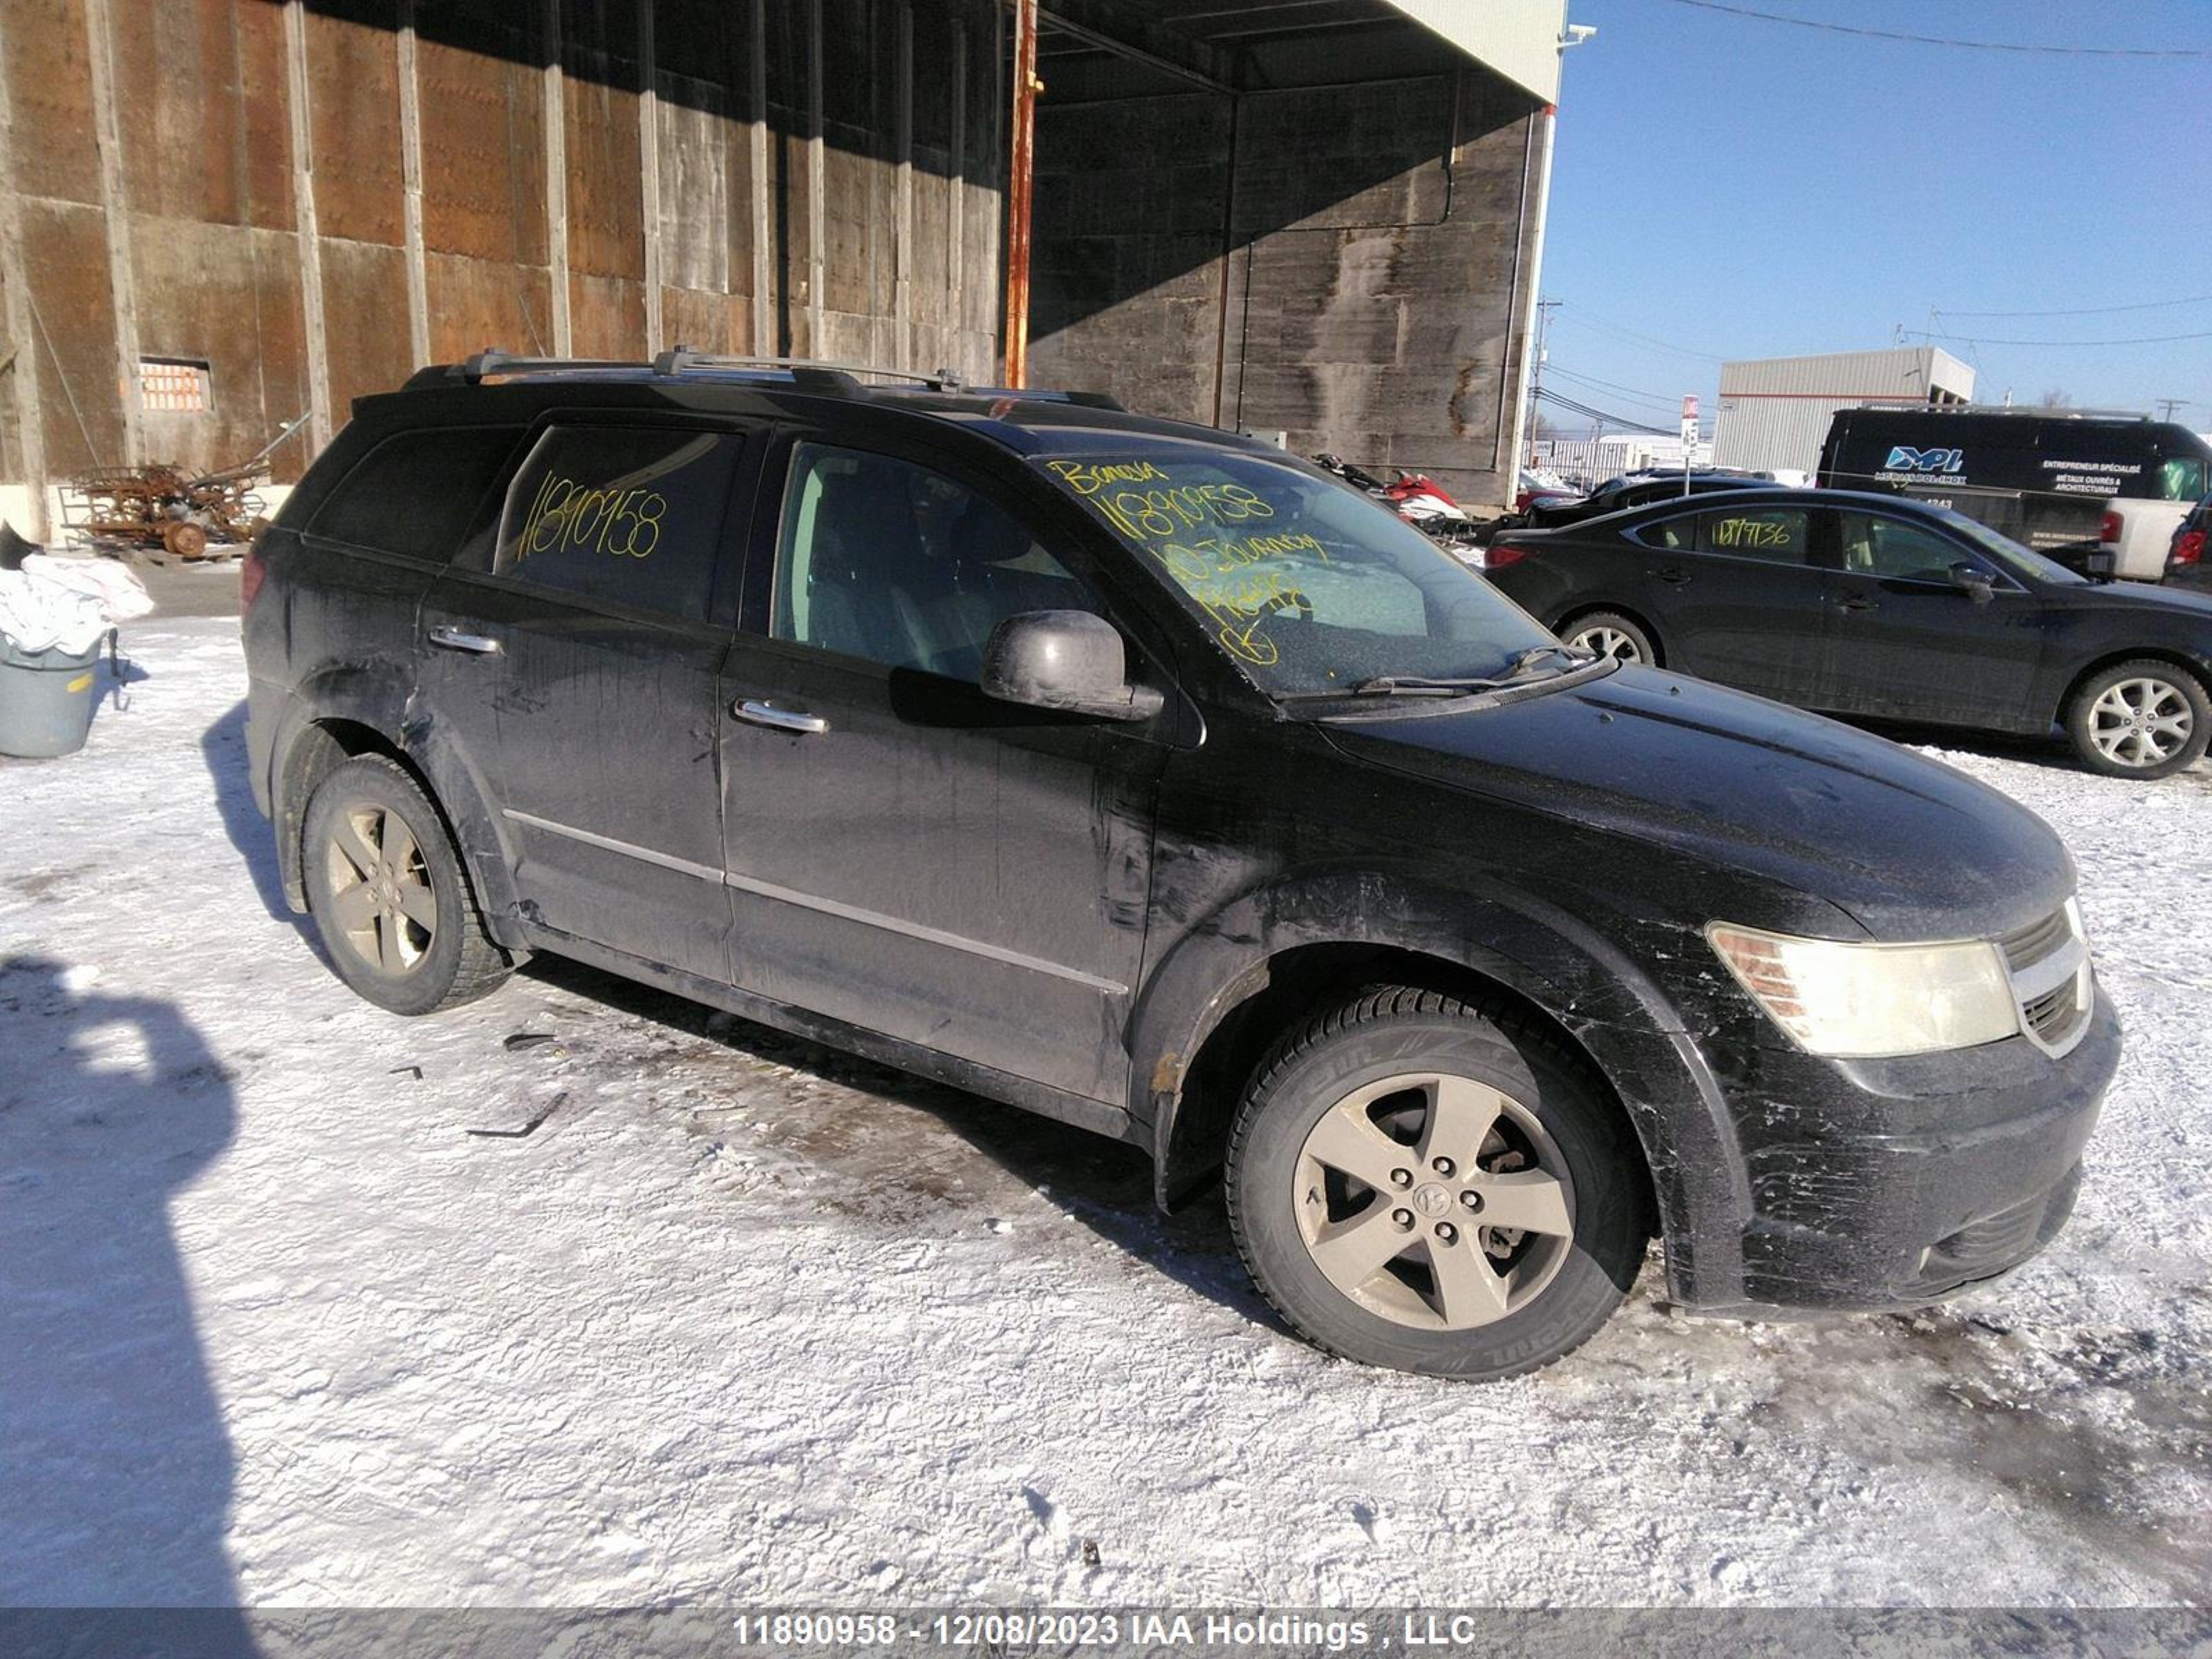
421, 494
628, 515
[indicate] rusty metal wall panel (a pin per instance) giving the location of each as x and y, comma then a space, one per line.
365, 300
197, 298
265, 135
483, 150
609, 316
708, 321
218, 269
280, 357
177, 72
697, 213
606, 231
65, 267
476, 303
50, 94
353, 100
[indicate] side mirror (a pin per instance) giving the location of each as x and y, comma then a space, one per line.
1070, 661
1975, 582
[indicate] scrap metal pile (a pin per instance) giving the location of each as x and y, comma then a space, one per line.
161, 507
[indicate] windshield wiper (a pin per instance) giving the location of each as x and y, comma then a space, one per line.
1517, 672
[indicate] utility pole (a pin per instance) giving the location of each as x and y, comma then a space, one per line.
2167, 406
1544, 310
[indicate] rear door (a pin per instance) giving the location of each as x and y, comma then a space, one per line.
575, 673
1738, 597
1907, 641
905, 853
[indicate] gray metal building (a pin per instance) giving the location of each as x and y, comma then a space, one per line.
1773, 412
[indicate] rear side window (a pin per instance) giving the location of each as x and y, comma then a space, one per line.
1778, 535
624, 514
421, 494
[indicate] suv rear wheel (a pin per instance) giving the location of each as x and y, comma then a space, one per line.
1419, 1183
2139, 720
388, 893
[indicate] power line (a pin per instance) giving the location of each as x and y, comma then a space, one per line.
1628, 391
1575, 408
2087, 310
1630, 334
1946, 40
1982, 339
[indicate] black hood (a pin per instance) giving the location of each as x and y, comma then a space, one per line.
1907, 847
2181, 605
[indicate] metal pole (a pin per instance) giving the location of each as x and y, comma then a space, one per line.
1021, 177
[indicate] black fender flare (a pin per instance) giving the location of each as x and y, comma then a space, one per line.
378, 697
1574, 974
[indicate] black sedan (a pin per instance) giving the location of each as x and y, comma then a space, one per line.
1877, 605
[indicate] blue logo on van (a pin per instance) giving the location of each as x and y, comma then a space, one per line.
1905, 458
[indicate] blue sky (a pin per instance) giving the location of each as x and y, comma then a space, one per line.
1726, 187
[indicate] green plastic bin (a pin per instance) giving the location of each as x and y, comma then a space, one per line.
46, 699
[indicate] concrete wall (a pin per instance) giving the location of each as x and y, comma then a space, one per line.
1341, 264
317, 197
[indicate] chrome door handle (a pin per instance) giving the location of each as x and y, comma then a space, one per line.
454, 639
1855, 602
781, 719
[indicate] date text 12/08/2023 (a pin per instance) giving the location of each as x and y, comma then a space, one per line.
1237, 576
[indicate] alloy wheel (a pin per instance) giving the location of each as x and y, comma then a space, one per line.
378, 888
2140, 722
1434, 1201
1607, 642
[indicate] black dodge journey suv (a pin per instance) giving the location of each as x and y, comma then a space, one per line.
1146, 777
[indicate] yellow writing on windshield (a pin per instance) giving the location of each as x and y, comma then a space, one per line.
1213, 539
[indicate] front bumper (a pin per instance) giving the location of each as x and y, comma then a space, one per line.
1888, 1184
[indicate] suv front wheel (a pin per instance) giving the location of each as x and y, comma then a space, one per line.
1422, 1184
388, 895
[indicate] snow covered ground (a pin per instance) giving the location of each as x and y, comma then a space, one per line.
743, 1320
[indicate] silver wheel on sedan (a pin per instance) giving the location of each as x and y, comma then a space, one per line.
2142, 722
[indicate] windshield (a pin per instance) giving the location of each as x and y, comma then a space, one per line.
2009, 554
1312, 588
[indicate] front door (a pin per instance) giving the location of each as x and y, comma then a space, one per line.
905, 853
576, 676
1739, 597
1908, 642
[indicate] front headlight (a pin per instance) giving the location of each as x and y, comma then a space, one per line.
1864, 1001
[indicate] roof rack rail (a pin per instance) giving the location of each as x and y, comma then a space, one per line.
807, 374
2036, 410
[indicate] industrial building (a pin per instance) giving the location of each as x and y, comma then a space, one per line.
1320, 218
1773, 412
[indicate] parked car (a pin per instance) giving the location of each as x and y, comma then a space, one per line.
2065, 485
2186, 565
1148, 778
1860, 603
1619, 496
1533, 487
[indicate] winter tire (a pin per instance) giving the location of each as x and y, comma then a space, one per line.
2139, 720
1609, 634
1435, 1187
388, 893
